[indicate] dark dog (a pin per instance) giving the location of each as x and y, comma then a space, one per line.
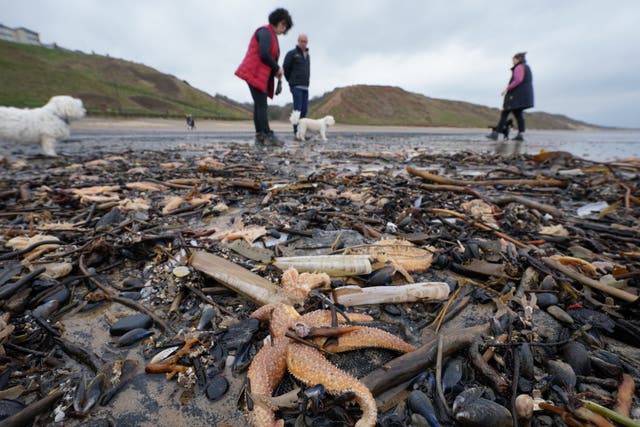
507, 128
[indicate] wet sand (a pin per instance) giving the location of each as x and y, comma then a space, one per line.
99, 133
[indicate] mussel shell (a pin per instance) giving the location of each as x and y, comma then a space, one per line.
45, 310
562, 374
132, 284
10, 407
548, 284
208, 314
216, 387
481, 412
126, 324
381, 276
133, 336
239, 333
419, 403
452, 373
576, 355
526, 361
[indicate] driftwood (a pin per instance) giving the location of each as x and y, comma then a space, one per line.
411, 364
538, 182
556, 213
587, 281
29, 412
452, 188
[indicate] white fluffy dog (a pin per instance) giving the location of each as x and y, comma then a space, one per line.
45, 125
305, 124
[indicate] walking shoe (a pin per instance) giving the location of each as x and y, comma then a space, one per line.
493, 135
259, 141
272, 139
519, 137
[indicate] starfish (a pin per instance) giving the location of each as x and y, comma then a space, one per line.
307, 363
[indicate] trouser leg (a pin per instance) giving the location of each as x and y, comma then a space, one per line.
519, 119
299, 103
260, 118
503, 120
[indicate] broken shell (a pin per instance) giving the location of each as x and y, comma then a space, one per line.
524, 406
181, 271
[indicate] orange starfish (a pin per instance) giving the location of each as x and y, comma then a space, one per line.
307, 363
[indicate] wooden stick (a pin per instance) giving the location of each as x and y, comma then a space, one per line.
448, 181
29, 412
556, 213
618, 293
411, 364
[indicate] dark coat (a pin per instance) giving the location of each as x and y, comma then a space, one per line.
297, 67
521, 96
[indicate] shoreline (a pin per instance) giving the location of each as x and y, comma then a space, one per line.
99, 123
91, 123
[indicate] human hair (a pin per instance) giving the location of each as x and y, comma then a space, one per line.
279, 15
520, 56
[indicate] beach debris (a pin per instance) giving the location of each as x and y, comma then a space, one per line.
356, 295
332, 265
513, 298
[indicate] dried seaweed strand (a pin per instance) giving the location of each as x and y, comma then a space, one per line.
612, 415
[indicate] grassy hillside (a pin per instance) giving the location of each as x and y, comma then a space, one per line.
386, 105
30, 75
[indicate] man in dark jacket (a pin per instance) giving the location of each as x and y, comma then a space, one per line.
297, 71
518, 96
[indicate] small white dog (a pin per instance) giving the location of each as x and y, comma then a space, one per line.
45, 125
305, 124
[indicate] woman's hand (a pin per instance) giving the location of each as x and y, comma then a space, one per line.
280, 73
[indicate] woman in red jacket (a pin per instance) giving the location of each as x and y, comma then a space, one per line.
259, 68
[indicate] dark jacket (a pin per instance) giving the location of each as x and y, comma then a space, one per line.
297, 68
521, 96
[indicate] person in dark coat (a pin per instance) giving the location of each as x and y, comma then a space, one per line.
260, 67
518, 96
297, 71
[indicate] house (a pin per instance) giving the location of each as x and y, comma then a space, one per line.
19, 35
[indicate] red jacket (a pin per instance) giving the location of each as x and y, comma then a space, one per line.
253, 70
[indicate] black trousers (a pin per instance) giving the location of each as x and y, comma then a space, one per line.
260, 117
517, 113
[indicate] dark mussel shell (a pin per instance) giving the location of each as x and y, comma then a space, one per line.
133, 336
471, 410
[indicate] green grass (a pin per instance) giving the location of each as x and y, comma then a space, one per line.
30, 75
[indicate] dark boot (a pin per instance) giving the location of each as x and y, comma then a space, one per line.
519, 137
273, 140
493, 135
259, 141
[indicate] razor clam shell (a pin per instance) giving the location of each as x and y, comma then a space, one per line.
164, 354
333, 265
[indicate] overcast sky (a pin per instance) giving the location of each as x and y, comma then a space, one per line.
584, 54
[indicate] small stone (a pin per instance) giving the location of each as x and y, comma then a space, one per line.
181, 271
